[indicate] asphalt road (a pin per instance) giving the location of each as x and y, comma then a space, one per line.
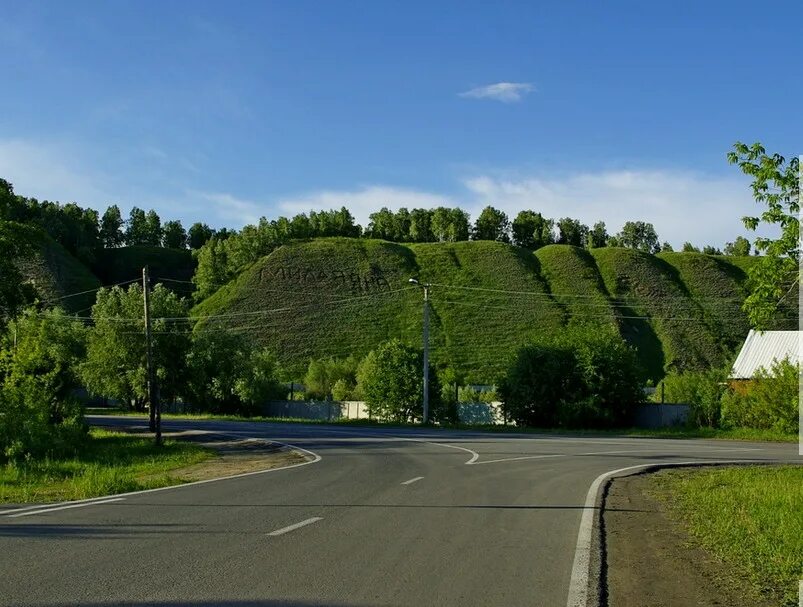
383, 517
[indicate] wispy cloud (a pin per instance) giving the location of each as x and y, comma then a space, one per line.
51, 171
682, 205
363, 201
666, 198
231, 208
506, 92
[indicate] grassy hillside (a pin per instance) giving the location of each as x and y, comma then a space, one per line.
126, 263
575, 282
677, 335
475, 328
335, 297
55, 273
326, 297
717, 285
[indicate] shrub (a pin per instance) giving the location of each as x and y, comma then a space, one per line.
322, 376
770, 401
341, 390
586, 377
390, 381
39, 415
257, 381
227, 375
701, 390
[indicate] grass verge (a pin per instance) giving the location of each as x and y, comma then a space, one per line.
109, 463
745, 434
749, 517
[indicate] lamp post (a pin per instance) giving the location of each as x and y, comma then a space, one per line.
426, 287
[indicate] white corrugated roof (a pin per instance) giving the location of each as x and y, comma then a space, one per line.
762, 349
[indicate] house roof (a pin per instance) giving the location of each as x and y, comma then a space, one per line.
762, 349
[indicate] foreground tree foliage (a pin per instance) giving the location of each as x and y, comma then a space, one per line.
39, 357
115, 364
586, 377
776, 185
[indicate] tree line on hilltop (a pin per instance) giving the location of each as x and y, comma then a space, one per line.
223, 253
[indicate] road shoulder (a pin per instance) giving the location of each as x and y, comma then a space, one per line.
652, 560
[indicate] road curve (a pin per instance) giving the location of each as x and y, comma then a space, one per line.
385, 517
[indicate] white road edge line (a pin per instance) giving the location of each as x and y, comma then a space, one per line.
581, 568
290, 528
95, 503
412, 480
4, 512
315, 460
517, 459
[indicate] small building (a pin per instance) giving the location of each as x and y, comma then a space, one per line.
760, 351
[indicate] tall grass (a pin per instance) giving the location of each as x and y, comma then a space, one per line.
749, 517
109, 463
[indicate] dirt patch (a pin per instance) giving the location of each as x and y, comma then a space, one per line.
233, 455
652, 560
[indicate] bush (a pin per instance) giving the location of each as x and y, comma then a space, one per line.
587, 376
322, 376
701, 390
769, 401
39, 415
390, 381
257, 381
227, 375
342, 390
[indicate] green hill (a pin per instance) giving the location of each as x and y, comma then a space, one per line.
575, 282
336, 297
125, 263
327, 297
54, 273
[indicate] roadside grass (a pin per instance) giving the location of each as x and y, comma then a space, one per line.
751, 518
744, 434
109, 463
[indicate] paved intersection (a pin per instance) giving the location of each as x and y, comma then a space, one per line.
377, 517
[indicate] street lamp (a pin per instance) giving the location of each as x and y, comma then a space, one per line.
426, 287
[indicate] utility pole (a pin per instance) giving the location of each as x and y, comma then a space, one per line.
153, 399
426, 288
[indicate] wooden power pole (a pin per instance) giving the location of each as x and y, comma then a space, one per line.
153, 399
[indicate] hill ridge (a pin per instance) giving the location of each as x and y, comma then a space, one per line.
339, 296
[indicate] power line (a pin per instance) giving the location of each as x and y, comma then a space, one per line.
90, 290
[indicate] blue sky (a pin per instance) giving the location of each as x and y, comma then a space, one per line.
226, 111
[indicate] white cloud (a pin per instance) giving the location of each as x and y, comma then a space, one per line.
364, 201
506, 92
50, 172
682, 205
230, 208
